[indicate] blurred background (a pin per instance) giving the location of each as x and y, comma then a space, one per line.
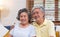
9, 10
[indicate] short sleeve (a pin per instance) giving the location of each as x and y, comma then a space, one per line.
51, 30
12, 30
33, 32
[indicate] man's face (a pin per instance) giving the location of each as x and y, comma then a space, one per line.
37, 14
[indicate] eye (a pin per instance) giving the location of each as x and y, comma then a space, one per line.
33, 13
21, 16
37, 12
24, 15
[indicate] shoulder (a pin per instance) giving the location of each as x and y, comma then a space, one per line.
49, 22
31, 26
14, 26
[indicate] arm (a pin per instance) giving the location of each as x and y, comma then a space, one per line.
51, 36
52, 30
10, 35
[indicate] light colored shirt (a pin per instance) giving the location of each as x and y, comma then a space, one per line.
45, 30
23, 32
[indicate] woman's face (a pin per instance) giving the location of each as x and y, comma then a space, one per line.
24, 18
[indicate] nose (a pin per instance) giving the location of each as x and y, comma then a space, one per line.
35, 14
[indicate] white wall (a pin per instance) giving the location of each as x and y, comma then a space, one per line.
58, 28
13, 6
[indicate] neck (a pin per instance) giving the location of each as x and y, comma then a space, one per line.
24, 25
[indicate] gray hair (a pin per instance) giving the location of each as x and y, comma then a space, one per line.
39, 7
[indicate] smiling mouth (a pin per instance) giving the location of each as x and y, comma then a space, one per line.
36, 17
23, 20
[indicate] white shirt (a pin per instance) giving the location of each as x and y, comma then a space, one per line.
23, 32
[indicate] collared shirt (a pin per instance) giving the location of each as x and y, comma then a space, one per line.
45, 30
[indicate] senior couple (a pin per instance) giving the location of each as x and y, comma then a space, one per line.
41, 27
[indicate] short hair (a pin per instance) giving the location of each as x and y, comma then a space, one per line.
39, 7
24, 10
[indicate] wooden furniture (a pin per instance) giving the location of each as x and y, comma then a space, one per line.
57, 34
7, 35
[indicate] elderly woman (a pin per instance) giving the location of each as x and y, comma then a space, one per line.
24, 28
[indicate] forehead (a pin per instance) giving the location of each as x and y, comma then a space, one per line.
37, 10
24, 13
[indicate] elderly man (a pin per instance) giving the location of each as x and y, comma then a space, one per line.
44, 27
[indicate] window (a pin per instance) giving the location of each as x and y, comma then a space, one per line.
59, 10
52, 8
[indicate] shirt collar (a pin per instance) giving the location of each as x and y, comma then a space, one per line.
44, 24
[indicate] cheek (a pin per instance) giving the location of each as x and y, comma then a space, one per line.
20, 19
33, 16
26, 18
41, 15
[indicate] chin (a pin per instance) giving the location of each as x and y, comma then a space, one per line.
23, 23
37, 19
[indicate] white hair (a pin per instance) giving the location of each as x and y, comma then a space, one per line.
39, 7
